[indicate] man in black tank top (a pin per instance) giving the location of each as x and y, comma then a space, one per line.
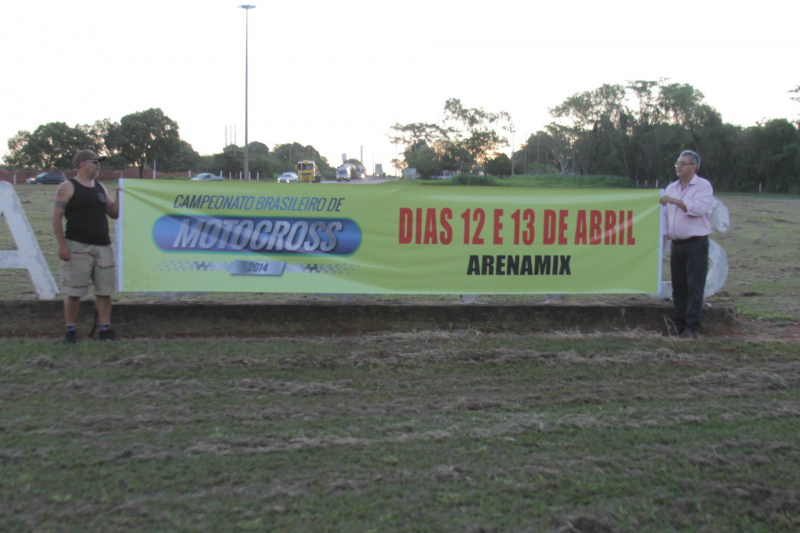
85, 247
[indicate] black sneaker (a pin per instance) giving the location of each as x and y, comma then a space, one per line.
71, 337
107, 335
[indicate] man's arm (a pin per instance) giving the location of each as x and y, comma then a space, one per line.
665, 200
112, 207
63, 194
701, 200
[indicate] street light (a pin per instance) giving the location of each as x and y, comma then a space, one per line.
247, 9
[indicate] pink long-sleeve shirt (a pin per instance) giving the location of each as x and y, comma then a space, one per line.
698, 197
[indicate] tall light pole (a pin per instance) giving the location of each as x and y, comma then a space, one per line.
247, 9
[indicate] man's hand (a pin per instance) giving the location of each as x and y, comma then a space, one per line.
666, 200
63, 252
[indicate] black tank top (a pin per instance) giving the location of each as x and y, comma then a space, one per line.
86, 215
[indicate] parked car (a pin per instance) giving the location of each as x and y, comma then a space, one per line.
207, 176
52, 178
287, 177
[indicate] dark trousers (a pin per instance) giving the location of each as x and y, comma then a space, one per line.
688, 263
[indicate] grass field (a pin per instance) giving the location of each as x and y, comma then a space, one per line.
423, 431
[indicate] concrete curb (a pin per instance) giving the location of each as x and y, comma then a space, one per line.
189, 319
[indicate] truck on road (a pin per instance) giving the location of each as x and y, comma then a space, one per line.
307, 172
351, 171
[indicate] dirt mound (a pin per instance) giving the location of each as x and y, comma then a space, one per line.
206, 319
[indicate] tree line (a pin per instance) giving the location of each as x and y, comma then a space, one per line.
634, 131
145, 139
466, 139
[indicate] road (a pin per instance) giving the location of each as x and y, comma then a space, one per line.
371, 180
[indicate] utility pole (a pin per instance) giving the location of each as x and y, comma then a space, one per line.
247, 9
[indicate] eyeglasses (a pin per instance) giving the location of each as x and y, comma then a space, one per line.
681, 164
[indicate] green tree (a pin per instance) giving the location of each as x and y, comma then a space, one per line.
593, 125
262, 161
455, 157
231, 160
432, 136
99, 130
424, 159
183, 159
463, 139
258, 149
723, 155
289, 154
51, 145
17, 158
650, 139
563, 147
500, 166
773, 156
144, 137
427, 146
538, 155
482, 139
636, 130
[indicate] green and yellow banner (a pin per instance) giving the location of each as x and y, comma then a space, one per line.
386, 239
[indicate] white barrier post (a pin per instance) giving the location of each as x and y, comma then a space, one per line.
28, 254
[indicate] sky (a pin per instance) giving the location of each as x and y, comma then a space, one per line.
339, 75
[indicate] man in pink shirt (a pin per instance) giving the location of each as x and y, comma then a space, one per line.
687, 223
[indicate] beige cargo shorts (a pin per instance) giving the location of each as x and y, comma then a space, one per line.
89, 264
